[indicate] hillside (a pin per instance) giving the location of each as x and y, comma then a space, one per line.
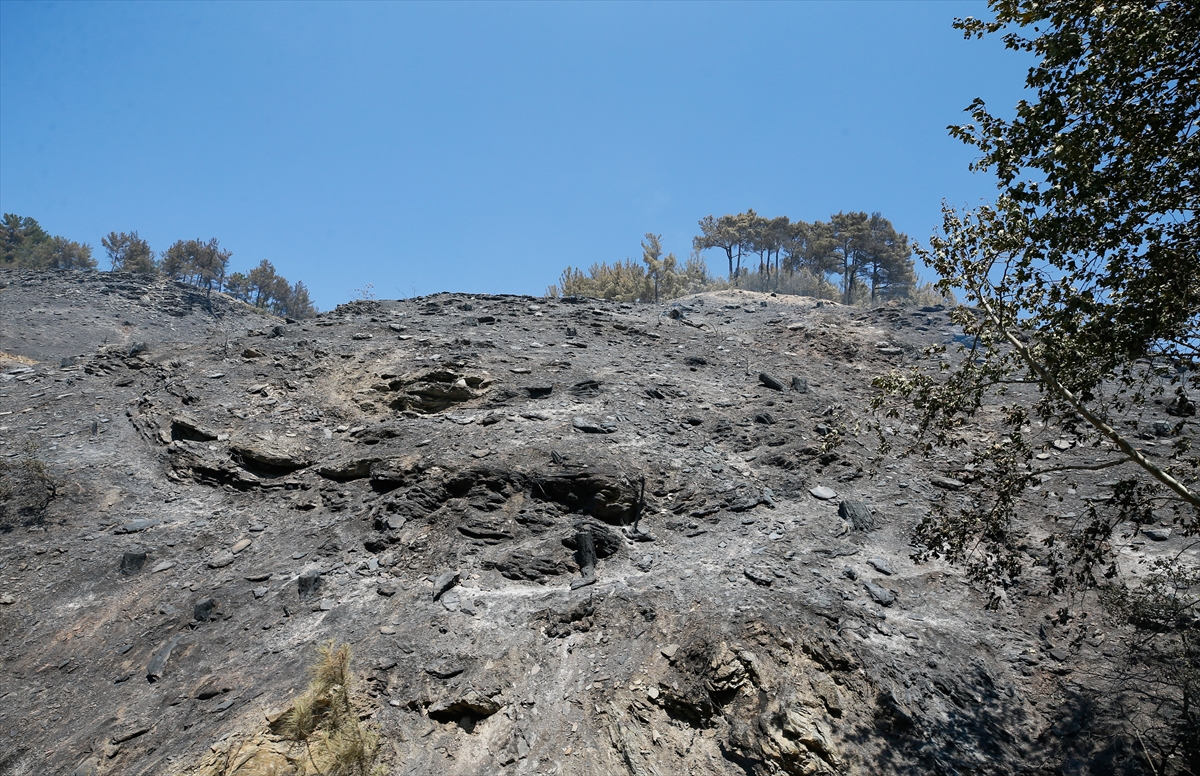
417, 478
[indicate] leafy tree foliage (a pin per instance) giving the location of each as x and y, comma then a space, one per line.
27, 246
129, 253
200, 263
20, 235
864, 251
1083, 280
266, 289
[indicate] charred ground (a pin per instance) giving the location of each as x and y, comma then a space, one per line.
419, 478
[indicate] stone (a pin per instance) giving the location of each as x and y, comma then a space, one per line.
858, 514
669, 651
770, 382
882, 566
239, 546
348, 469
591, 427
141, 524
187, 427
823, 493
445, 670
308, 583
270, 456
203, 609
759, 576
132, 562
163, 566
386, 590
221, 559
470, 704
158, 662
1158, 534
947, 483
259, 592
880, 595
444, 582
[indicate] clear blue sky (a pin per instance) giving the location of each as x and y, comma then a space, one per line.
480, 147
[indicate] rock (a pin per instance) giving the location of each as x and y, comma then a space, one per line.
7, 599
880, 595
445, 670
259, 592
539, 391
800, 385
132, 562
1158, 534
882, 566
1162, 428
604, 494
770, 382
669, 651
823, 493
308, 583
765, 418
586, 389
858, 514
444, 582
471, 704
849, 573
759, 576
947, 483
239, 546
221, 559
386, 590
1181, 407
888, 351
271, 457
605, 541
141, 524
88, 768
163, 566
253, 353
348, 469
158, 662
591, 427
203, 609
187, 427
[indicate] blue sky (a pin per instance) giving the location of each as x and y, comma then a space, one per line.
480, 147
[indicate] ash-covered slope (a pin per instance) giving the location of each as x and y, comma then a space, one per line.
416, 478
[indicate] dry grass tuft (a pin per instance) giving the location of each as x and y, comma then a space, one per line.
323, 718
26, 360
